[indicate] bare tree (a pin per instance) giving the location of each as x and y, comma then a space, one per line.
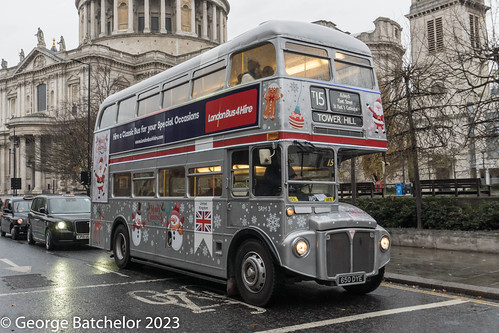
65, 151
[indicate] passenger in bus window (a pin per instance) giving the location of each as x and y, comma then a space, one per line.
213, 188
254, 72
267, 71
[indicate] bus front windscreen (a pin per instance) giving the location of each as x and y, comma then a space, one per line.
311, 173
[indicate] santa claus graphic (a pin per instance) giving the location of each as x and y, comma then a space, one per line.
378, 117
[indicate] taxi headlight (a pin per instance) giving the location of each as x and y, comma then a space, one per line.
60, 225
19, 221
301, 247
384, 243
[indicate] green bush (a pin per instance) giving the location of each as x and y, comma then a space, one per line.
437, 213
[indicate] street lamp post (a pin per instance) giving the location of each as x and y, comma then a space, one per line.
88, 124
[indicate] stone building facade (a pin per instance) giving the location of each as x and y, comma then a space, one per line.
447, 33
132, 39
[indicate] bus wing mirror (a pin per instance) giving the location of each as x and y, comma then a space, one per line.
265, 156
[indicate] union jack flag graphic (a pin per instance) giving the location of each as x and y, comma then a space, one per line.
203, 221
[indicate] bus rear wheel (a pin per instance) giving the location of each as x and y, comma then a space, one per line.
371, 284
121, 246
256, 274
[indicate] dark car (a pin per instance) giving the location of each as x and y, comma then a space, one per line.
14, 215
59, 219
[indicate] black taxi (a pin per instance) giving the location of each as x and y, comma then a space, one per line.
59, 219
14, 215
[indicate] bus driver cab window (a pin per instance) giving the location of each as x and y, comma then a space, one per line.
267, 175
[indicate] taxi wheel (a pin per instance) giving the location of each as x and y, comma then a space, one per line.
49, 240
256, 274
29, 236
121, 246
13, 233
2, 233
371, 284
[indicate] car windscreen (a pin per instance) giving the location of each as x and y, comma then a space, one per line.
69, 205
22, 206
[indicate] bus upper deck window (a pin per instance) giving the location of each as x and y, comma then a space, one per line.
209, 83
253, 64
307, 61
126, 109
353, 71
176, 95
108, 117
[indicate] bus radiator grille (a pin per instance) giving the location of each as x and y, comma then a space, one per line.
346, 255
82, 227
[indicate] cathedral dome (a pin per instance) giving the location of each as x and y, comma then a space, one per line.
139, 26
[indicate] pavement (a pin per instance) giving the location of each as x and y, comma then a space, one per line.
464, 272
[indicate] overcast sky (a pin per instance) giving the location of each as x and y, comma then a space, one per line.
20, 19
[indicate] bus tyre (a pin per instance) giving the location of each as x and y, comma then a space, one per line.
49, 240
371, 284
29, 236
121, 246
256, 274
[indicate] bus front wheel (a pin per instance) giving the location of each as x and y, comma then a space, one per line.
256, 274
121, 246
371, 284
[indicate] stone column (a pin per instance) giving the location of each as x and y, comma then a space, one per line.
92, 20
221, 27
178, 17
115, 17
214, 23
147, 17
204, 27
103, 22
162, 17
21, 160
86, 30
37, 186
130, 16
193, 17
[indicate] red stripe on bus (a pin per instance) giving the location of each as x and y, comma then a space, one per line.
154, 154
333, 139
256, 138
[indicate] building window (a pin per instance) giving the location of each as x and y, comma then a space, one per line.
41, 95
141, 24
435, 35
12, 107
168, 24
154, 24
123, 15
474, 29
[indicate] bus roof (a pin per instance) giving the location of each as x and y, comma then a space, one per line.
303, 31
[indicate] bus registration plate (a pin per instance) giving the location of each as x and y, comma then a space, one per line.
83, 236
354, 278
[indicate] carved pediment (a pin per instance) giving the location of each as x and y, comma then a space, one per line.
37, 59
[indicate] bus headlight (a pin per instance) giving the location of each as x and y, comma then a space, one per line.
60, 225
384, 243
301, 247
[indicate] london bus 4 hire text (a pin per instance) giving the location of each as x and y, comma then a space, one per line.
226, 166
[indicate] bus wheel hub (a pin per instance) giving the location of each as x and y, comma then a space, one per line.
253, 272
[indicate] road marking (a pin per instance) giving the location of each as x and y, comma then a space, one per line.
363, 316
105, 270
16, 268
40, 291
440, 294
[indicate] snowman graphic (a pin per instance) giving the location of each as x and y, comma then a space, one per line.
378, 117
137, 226
175, 229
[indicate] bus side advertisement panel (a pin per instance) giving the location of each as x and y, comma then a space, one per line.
230, 111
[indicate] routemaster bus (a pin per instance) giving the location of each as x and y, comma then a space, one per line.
226, 165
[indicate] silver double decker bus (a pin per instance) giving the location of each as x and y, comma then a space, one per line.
226, 165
